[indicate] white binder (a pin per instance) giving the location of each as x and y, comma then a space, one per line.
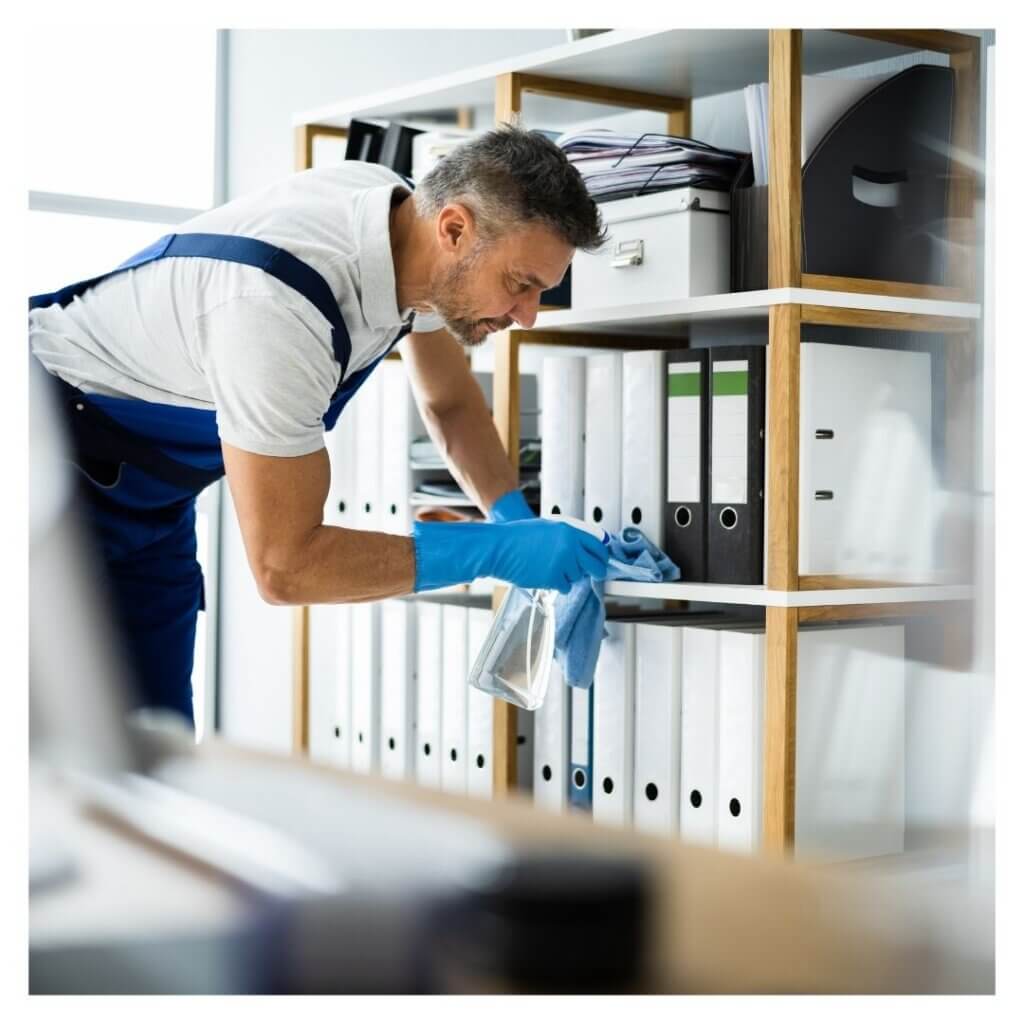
698, 780
366, 687
480, 727
551, 745
399, 424
741, 697
868, 490
850, 753
325, 650
602, 483
342, 450
454, 697
428, 693
643, 443
656, 761
398, 688
563, 409
366, 407
581, 748
614, 725
342, 733
525, 727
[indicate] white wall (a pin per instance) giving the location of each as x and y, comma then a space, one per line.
273, 75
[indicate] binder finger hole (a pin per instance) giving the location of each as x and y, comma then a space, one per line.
608, 786
454, 754
337, 732
546, 772
651, 791
636, 515
728, 517
394, 510
556, 510
391, 743
734, 807
683, 517
695, 798
360, 737
579, 778
426, 750
341, 506
367, 508
598, 514
480, 762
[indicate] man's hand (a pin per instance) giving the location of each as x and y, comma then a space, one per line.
293, 556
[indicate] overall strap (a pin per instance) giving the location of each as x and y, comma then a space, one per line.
235, 249
347, 389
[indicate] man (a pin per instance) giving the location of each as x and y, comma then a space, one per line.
230, 346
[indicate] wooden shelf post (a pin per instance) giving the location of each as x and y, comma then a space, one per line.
783, 458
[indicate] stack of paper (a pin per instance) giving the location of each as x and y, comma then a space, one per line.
615, 166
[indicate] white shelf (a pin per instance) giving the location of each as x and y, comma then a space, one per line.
722, 593
664, 319
676, 62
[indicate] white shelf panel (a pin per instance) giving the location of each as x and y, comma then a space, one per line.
676, 62
663, 319
722, 593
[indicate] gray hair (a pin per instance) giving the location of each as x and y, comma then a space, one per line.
509, 178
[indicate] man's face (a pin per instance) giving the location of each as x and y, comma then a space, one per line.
489, 287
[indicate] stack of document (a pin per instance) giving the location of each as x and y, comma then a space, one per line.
435, 485
615, 166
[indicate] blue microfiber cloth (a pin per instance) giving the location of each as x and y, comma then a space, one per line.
579, 615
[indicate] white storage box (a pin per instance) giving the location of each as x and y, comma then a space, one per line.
668, 245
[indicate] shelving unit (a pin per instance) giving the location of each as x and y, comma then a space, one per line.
663, 71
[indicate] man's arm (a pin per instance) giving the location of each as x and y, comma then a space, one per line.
456, 415
294, 557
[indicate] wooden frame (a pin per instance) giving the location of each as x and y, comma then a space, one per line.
785, 322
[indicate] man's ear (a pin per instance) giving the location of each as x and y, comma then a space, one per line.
456, 228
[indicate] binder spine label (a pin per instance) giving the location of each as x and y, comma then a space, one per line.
684, 440
729, 441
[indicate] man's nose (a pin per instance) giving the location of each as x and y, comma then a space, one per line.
524, 312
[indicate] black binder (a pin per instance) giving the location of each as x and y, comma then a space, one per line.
686, 483
735, 541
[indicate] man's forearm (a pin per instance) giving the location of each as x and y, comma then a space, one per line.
337, 565
466, 436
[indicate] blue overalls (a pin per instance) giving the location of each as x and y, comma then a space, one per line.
143, 464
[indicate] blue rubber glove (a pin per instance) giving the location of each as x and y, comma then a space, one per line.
530, 553
510, 507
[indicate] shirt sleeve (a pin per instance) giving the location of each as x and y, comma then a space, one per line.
271, 372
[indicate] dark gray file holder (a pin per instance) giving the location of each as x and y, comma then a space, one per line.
874, 190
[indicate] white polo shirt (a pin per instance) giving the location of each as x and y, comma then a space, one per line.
215, 335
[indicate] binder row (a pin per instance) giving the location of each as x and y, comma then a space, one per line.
669, 442
674, 727
371, 478
674, 443
389, 694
